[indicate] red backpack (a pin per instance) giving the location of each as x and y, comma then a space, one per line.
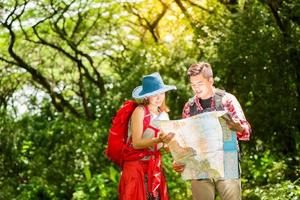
118, 148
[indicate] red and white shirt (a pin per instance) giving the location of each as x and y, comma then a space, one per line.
232, 106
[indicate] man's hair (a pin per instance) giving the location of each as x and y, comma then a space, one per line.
203, 68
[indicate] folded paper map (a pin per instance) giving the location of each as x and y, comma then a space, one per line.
205, 144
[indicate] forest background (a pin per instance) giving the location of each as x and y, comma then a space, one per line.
66, 66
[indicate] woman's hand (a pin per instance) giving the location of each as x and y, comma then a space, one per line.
178, 167
157, 140
166, 138
166, 147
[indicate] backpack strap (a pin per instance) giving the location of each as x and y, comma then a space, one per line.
193, 106
191, 101
146, 124
147, 118
219, 94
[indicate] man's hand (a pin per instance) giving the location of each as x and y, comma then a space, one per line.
178, 167
234, 125
166, 138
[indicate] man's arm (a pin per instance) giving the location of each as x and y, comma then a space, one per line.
239, 122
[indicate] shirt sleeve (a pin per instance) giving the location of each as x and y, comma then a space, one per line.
232, 106
164, 116
186, 111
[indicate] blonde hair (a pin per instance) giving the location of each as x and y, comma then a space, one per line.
162, 108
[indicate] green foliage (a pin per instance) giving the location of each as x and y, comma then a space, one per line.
265, 177
282, 190
262, 77
178, 188
52, 156
101, 186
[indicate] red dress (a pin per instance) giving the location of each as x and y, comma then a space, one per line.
134, 171
132, 185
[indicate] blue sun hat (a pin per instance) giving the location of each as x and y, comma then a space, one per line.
151, 85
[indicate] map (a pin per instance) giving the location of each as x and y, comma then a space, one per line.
205, 144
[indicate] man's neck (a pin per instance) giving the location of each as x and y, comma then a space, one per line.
208, 95
203, 99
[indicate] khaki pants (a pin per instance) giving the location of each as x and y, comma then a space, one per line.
205, 189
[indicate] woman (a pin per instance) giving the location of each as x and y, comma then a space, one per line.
143, 179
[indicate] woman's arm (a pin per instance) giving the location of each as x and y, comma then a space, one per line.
137, 120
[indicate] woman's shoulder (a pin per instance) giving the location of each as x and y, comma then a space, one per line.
139, 110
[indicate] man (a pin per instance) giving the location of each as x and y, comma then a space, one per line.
207, 98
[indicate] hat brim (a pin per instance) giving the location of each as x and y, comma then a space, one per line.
136, 92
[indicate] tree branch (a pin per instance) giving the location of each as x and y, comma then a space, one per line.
199, 6
99, 82
274, 7
8, 61
82, 93
57, 99
150, 26
186, 13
